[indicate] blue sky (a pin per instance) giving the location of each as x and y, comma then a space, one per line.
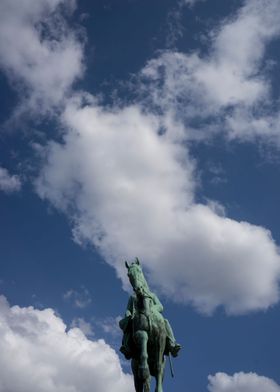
146, 129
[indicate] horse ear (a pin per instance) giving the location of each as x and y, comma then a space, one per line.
126, 264
137, 261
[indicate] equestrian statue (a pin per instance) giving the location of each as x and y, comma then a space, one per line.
147, 335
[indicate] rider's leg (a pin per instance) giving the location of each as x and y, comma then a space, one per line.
169, 331
172, 346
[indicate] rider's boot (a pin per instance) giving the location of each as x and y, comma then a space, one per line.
174, 348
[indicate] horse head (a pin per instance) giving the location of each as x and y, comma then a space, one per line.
136, 277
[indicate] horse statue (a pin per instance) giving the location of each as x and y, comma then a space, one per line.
148, 337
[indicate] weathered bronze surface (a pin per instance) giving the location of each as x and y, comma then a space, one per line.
148, 337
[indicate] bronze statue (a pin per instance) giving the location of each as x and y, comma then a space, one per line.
148, 337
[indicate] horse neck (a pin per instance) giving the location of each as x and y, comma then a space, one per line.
147, 290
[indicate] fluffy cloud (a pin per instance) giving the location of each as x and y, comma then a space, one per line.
241, 382
228, 88
40, 355
9, 183
130, 191
38, 49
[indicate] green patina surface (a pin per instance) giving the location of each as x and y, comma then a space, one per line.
147, 335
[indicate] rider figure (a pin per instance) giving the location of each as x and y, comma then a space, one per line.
126, 326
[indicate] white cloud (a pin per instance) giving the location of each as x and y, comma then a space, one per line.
9, 183
214, 91
129, 191
39, 50
40, 355
241, 382
80, 298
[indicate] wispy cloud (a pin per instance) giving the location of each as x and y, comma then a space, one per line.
190, 2
79, 298
109, 326
9, 183
83, 325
